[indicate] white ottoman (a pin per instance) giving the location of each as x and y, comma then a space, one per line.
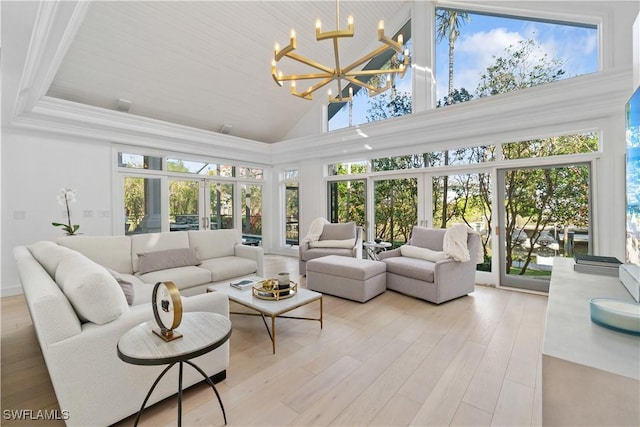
351, 278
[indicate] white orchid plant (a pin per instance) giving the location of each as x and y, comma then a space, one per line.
65, 197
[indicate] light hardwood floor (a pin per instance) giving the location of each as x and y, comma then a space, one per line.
393, 361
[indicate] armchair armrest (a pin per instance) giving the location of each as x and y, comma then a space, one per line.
357, 249
389, 254
303, 247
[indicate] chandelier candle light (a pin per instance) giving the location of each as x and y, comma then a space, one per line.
347, 74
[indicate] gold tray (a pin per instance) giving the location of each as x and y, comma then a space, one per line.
268, 289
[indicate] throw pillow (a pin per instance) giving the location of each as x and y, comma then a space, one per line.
125, 285
346, 243
422, 253
169, 258
91, 290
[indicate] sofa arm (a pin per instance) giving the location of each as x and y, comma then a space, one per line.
389, 254
205, 302
255, 253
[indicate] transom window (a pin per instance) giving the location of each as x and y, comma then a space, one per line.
479, 54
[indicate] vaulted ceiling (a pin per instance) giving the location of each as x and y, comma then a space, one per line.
206, 64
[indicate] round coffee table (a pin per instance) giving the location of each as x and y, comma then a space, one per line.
201, 332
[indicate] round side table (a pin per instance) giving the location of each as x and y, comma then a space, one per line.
202, 332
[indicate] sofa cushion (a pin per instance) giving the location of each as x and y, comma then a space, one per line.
346, 243
152, 242
352, 268
183, 277
125, 285
422, 253
48, 254
214, 243
110, 251
94, 293
411, 267
229, 267
428, 237
337, 231
165, 259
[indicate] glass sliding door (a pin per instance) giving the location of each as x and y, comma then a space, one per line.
395, 209
543, 212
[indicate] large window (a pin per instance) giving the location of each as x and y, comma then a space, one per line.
466, 199
347, 201
184, 205
291, 207
251, 199
221, 205
142, 205
479, 54
396, 204
179, 194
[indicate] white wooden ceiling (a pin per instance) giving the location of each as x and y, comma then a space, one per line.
204, 64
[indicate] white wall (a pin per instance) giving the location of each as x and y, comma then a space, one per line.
34, 168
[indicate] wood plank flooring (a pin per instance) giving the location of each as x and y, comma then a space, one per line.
393, 361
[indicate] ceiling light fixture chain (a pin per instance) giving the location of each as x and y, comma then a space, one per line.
348, 74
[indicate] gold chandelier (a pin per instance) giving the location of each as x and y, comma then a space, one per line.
338, 73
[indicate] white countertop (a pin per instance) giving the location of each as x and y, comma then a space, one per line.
571, 335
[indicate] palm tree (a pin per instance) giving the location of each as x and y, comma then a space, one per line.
448, 23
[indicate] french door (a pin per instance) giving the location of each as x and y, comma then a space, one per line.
197, 204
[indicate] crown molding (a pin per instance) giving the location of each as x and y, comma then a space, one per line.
66, 117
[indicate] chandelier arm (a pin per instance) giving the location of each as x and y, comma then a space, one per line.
307, 94
309, 62
365, 58
375, 72
377, 91
334, 34
397, 46
362, 84
289, 77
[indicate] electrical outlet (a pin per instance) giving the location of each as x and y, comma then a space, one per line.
87, 214
19, 215
105, 214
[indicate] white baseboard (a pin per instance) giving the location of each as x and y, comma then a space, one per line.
11, 291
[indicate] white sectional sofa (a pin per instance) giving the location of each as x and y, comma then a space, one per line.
77, 289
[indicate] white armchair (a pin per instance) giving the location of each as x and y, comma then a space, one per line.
423, 270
